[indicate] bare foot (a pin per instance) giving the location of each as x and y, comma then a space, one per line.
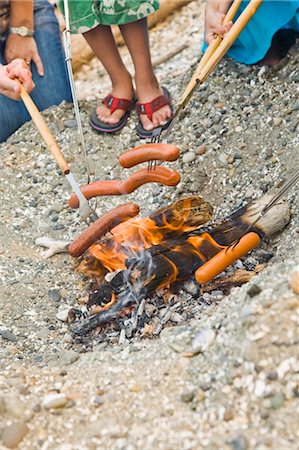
123, 90
147, 93
281, 43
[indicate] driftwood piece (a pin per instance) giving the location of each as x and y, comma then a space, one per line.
82, 53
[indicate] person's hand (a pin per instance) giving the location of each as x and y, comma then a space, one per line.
214, 15
23, 47
8, 85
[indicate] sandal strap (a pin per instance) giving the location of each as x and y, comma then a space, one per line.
153, 106
114, 103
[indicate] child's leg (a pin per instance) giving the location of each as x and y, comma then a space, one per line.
135, 35
102, 42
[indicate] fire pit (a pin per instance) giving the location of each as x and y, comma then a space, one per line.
163, 250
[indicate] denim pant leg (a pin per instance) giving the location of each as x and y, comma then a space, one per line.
53, 87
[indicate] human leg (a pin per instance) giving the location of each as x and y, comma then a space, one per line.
136, 38
102, 42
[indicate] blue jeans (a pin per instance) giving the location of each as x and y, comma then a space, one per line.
53, 87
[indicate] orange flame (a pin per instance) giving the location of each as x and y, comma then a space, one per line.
136, 235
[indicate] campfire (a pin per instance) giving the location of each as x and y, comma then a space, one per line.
170, 246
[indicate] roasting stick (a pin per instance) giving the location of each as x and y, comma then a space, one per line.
274, 200
215, 55
211, 48
84, 208
68, 59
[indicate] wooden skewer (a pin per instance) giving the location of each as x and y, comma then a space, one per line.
211, 48
44, 130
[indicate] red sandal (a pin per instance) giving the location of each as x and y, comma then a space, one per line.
149, 109
113, 103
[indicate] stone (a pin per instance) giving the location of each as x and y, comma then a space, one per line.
295, 106
14, 407
70, 123
239, 443
189, 157
277, 400
63, 315
228, 414
223, 159
203, 340
249, 193
277, 121
13, 434
238, 129
272, 375
187, 396
201, 150
54, 400
294, 282
254, 290
68, 357
8, 335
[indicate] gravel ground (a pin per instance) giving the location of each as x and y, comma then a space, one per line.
239, 389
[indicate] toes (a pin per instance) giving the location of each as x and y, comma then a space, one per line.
147, 123
162, 116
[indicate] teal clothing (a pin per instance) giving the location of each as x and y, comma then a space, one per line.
88, 14
255, 40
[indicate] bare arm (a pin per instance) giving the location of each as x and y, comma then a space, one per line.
21, 14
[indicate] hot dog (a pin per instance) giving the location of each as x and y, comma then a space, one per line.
142, 176
149, 152
101, 226
226, 257
161, 175
105, 187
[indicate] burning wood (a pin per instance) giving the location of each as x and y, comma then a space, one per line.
167, 247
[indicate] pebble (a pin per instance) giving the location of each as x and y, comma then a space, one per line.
239, 443
201, 150
272, 375
295, 106
14, 407
223, 159
13, 434
8, 335
63, 315
238, 129
277, 121
54, 294
54, 400
187, 396
203, 340
68, 357
277, 400
70, 123
254, 290
249, 193
228, 414
189, 157
294, 282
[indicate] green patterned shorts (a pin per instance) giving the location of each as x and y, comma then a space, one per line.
87, 14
